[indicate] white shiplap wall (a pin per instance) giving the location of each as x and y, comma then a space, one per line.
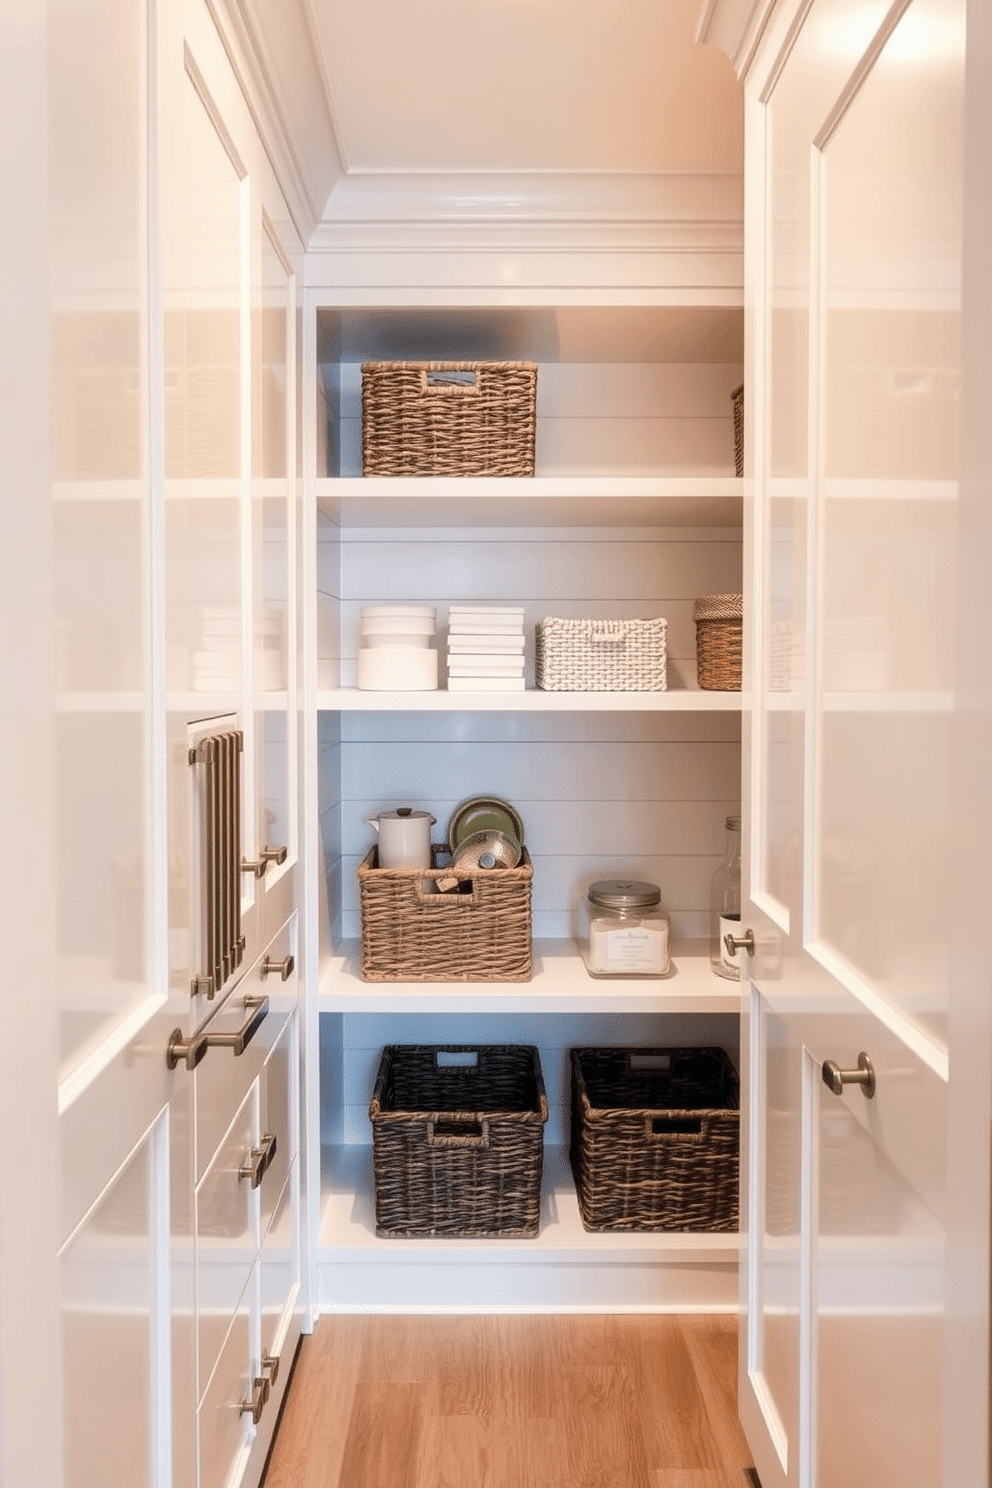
352, 1047
601, 794
610, 418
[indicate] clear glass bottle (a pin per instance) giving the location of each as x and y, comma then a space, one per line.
725, 905
624, 932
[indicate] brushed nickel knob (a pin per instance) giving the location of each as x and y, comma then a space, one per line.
836, 1078
284, 967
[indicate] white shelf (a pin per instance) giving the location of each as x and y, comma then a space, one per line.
560, 983
538, 501
347, 1229
533, 700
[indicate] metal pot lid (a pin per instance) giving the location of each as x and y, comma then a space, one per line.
402, 813
487, 850
624, 893
484, 814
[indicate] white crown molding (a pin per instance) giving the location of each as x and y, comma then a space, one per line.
533, 212
295, 122
735, 27
534, 196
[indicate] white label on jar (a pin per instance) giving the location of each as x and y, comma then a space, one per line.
729, 925
634, 948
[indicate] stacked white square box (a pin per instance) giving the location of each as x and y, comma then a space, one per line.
485, 648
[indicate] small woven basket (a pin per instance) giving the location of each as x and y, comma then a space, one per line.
458, 1140
449, 418
655, 1138
737, 397
478, 931
719, 641
602, 655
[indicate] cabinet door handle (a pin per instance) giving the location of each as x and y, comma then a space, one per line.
284, 967
277, 855
258, 866
836, 1078
191, 1051
258, 1161
259, 1399
270, 1367
734, 943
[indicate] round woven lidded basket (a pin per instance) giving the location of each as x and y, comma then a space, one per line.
719, 641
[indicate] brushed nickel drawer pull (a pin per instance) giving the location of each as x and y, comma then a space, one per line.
270, 1367
259, 1160
277, 855
191, 1051
257, 867
257, 1008
285, 967
259, 1399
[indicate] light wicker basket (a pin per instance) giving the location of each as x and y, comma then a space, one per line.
458, 1140
602, 655
737, 397
449, 418
655, 1138
477, 932
719, 641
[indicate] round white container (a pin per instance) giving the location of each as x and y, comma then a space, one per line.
398, 642
378, 612
397, 669
401, 626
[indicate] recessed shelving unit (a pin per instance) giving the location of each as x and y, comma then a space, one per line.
633, 511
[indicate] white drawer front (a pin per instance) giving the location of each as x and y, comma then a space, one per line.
227, 1232
223, 1075
225, 1432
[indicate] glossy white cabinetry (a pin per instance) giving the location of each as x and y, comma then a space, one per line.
249, 1303
631, 513
859, 742
172, 344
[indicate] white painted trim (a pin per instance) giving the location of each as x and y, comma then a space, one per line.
256, 73
735, 27
613, 212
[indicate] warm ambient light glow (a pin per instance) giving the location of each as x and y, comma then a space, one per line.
917, 36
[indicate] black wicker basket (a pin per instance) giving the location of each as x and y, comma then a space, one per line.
458, 1140
655, 1138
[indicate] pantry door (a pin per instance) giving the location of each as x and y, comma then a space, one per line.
854, 244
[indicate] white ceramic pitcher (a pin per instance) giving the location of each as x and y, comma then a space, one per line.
404, 837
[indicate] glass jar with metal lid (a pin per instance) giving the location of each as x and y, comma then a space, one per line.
624, 932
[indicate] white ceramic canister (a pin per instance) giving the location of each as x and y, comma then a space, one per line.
404, 837
395, 652
397, 669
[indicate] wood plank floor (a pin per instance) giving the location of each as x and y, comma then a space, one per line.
546, 1401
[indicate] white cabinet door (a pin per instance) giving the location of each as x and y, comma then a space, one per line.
118, 1138
855, 159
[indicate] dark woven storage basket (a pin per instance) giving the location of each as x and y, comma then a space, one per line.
719, 641
458, 1149
479, 932
449, 418
655, 1138
738, 400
